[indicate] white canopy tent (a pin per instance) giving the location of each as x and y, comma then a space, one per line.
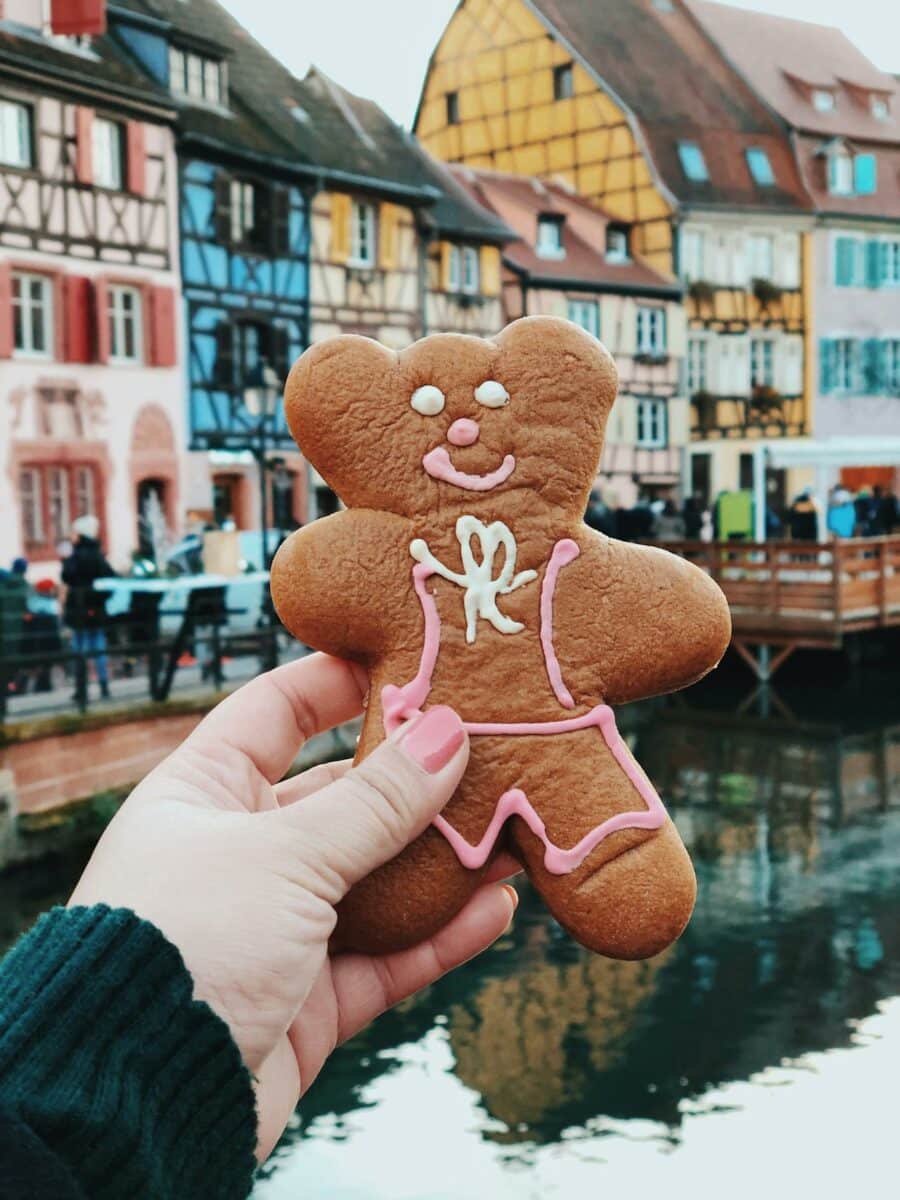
826, 456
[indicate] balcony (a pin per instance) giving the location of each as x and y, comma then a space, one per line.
764, 412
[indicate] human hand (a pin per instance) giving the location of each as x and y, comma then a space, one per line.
242, 872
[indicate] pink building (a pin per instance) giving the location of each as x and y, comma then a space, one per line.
91, 376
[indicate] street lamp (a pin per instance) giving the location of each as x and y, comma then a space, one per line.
262, 392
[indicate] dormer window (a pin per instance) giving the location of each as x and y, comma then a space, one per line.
617, 244
824, 101
550, 237
453, 108
840, 173
760, 167
880, 108
692, 162
196, 76
563, 83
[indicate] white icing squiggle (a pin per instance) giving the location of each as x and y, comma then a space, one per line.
481, 586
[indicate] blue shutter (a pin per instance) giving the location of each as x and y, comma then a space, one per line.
865, 175
872, 366
873, 263
844, 257
826, 366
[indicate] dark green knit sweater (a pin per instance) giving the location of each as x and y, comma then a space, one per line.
134, 1086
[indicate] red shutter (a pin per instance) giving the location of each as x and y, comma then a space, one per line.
78, 16
163, 342
6, 313
136, 158
101, 318
78, 318
84, 125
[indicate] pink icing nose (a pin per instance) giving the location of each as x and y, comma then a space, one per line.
463, 432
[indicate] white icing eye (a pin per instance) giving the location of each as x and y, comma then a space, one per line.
428, 400
491, 394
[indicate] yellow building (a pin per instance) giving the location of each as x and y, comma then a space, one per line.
628, 103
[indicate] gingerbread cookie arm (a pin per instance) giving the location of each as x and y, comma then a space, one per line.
330, 581
635, 621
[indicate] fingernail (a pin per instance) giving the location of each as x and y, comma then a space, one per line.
434, 738
513, 895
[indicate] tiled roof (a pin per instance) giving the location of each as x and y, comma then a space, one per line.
663, 67
103, 67
520, 201
771, 51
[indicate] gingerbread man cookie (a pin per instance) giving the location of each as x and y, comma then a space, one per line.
461, 573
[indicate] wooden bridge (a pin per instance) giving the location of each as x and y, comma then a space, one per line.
787, 595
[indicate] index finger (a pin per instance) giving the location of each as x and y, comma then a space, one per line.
269, 719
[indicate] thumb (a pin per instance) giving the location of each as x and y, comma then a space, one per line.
376, 809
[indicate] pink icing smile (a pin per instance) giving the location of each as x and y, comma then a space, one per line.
438, 465
401, 703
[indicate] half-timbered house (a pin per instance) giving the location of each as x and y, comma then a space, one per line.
571, 260
91, 400
630, 104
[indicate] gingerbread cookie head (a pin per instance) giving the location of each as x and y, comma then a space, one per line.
454, 419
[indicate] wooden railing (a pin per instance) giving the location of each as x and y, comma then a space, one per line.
810, 587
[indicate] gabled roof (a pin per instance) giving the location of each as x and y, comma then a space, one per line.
520, 201
663, 68
27, 54
773, 52
311, 126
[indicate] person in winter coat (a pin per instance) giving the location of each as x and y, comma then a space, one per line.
85, 607
841, 513
803, 518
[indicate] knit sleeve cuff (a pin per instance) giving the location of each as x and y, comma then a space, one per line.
104, 1053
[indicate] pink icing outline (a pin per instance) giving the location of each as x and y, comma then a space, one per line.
399, 704
438, 465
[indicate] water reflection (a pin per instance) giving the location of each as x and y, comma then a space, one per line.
795, 832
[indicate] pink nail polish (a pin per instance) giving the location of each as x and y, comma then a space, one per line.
434, 738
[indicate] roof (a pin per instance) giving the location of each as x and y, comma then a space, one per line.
520, 201
772, 52
662, 67
311, 126
103, 67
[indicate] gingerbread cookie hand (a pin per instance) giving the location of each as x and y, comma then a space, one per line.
461, 573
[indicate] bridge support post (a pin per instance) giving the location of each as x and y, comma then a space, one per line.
763, 663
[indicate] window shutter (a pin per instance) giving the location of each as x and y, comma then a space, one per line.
76, 316
340, 227
873, 263
6, 313
872, 369
826, 366
101, 319
387, 237
865, 175
446, 253
490, 270
223, 208
84, 127
262, 234
281, 220
78, 16
163, 342
844, 256
223, 371
136, 158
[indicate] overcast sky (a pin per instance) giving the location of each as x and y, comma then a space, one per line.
380, 48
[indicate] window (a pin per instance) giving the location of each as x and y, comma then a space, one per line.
697, 365
880, 108
840, 173
471, 272
890, 263
849, 262
692, 162
84, 492
762, 363
31, 506
107, 153
32, 300
51, 497
652, 423
196, 76
15, 134
124, 324
760, 167
454, 268
57, 479
362, 234
761, 249
586, 313
563, 83
823, 100
550, 237
846, 355
243, 346
651, 330
453, 108
616, 244
243, 211
865, 174
693, 254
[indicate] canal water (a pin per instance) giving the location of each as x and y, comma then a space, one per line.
758, 1056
